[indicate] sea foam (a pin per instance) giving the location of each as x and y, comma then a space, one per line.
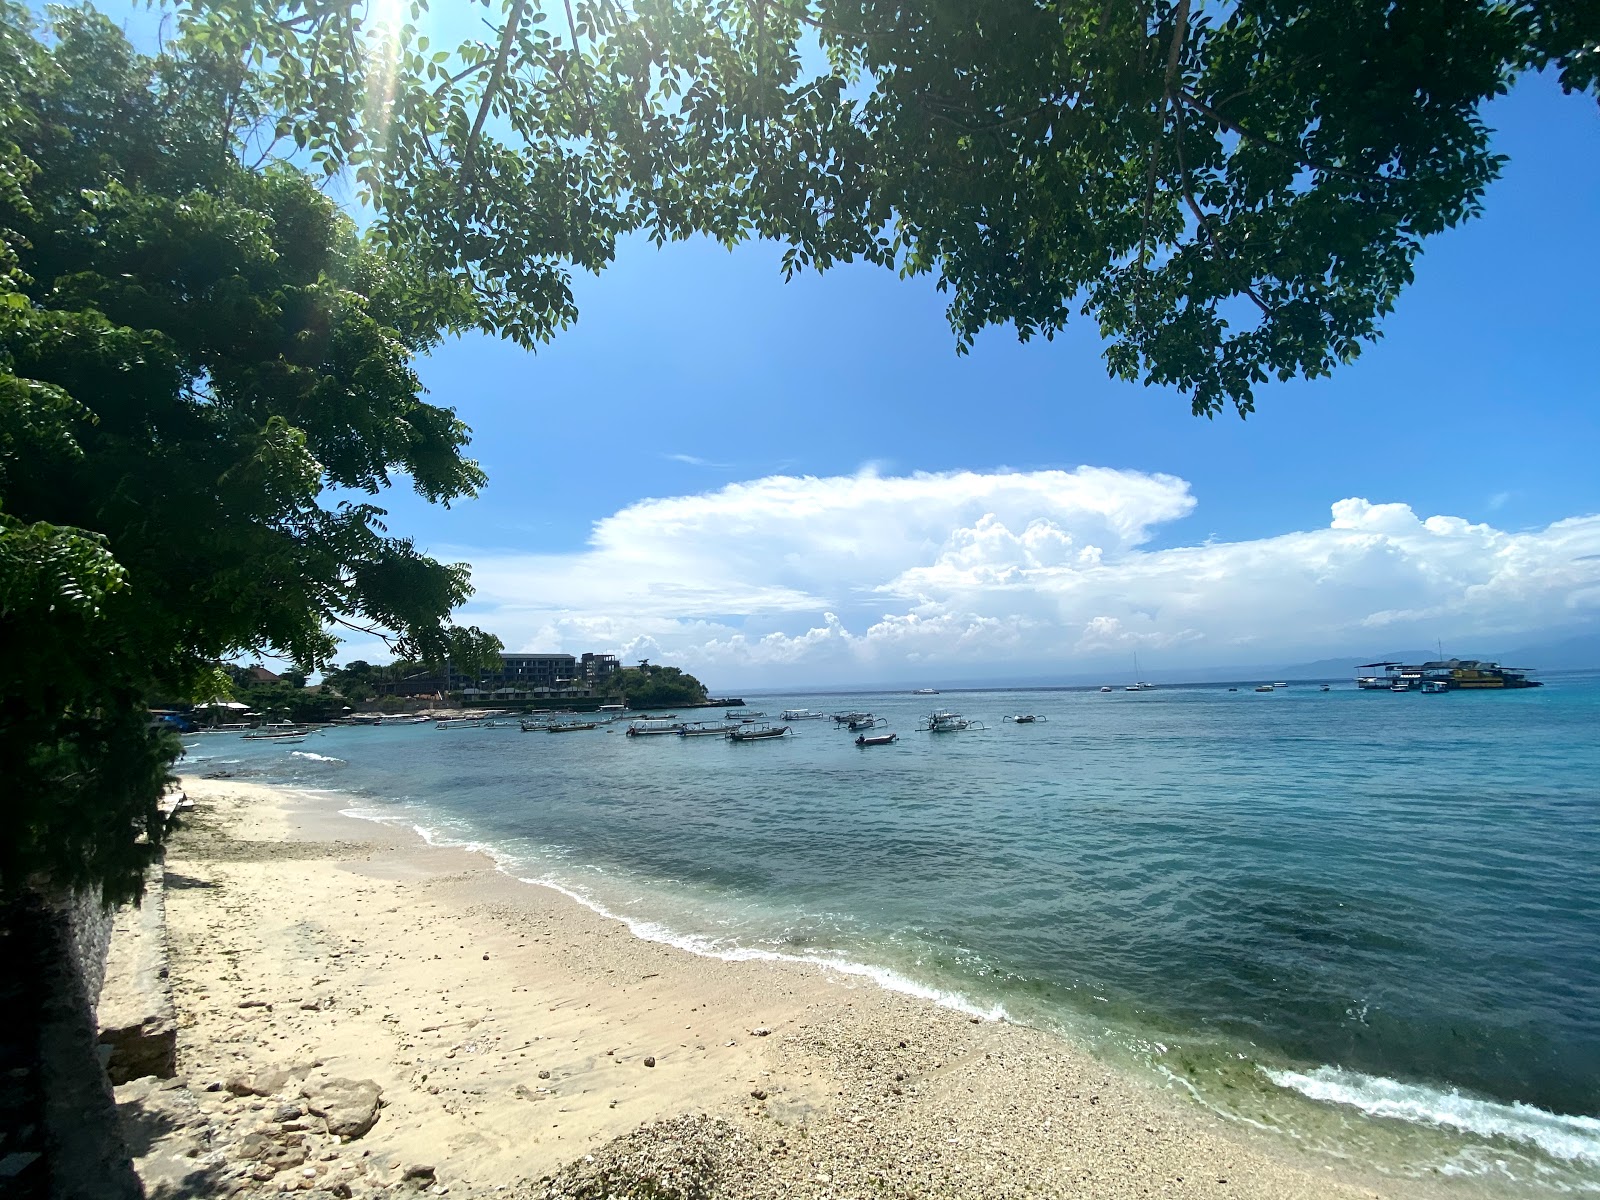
1568, 1138
314, 757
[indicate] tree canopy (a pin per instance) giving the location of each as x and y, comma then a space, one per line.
204, 372
1232, 192
651, 686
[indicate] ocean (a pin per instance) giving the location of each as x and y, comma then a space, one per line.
1369, 922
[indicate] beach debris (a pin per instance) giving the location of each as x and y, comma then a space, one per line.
350, 1106
649, 1060
760, 1031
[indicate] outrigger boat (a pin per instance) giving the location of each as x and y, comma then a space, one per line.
742, 734
706, 729
743, 714
945, 721
881, 739
803, 714
1027, 718
653, 728
867, 722
571, 727
459, 723
285, 736
847, 717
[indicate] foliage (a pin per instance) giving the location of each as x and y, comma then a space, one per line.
651, 686
1232, 192
192, 355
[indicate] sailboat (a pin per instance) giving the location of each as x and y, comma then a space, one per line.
1138, 685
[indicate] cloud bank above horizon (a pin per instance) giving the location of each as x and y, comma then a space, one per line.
867, 577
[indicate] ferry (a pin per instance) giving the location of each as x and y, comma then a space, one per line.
1456, 674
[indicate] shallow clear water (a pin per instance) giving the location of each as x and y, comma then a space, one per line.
1371, 921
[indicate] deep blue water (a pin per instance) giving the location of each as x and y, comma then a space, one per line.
1389, 904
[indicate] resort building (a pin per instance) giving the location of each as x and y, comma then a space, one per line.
544, 673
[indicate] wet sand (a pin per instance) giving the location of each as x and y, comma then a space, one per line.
517, 1036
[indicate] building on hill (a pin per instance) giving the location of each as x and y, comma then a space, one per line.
259, 674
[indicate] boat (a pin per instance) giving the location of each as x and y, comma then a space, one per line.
536, 725
653, 728
944, 721
845, 718
744, 734
1400, 685
1431, 686
867, 722
1027, 718
877, 739
571, 726
706, 728
1324, 687
458, 723
926, 692
802, 714
1107, 688
278, 733
743, 714
1263, 687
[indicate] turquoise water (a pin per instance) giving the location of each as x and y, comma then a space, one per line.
1369, 921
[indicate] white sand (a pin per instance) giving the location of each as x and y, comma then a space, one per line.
360, 948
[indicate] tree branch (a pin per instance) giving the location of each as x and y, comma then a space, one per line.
507, 36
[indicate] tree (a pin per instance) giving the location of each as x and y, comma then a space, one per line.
1232, 192
647, 686
192, 354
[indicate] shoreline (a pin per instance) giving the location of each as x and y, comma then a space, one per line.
515, 1029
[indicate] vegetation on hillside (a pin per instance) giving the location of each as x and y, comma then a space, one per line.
651, 686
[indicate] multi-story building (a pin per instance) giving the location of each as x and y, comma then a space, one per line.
595, 669
521, 672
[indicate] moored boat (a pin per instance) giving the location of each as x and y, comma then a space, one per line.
745, 733
867, 722
653, 728
877, 739
1263, 687
945, 721
570, 726
1027, 718
802, 714
707, 728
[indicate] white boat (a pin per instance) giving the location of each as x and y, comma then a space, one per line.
743, 714
1263, 687
867, 722
844, 718
653, 728
877, 739
706, 728
568, 726
802, 714
1107, 688
926, 692
945, 721
1027, 718
458, 723
1434, 687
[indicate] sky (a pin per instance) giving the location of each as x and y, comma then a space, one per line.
789, 484
782, 484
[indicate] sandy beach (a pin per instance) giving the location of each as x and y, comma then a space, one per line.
527, 1046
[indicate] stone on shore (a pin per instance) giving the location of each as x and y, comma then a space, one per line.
350, 1106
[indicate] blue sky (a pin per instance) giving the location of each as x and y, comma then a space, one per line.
774, 483
693, 368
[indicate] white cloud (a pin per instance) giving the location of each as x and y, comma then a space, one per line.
870, 576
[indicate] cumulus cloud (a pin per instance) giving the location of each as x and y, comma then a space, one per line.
872, 576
